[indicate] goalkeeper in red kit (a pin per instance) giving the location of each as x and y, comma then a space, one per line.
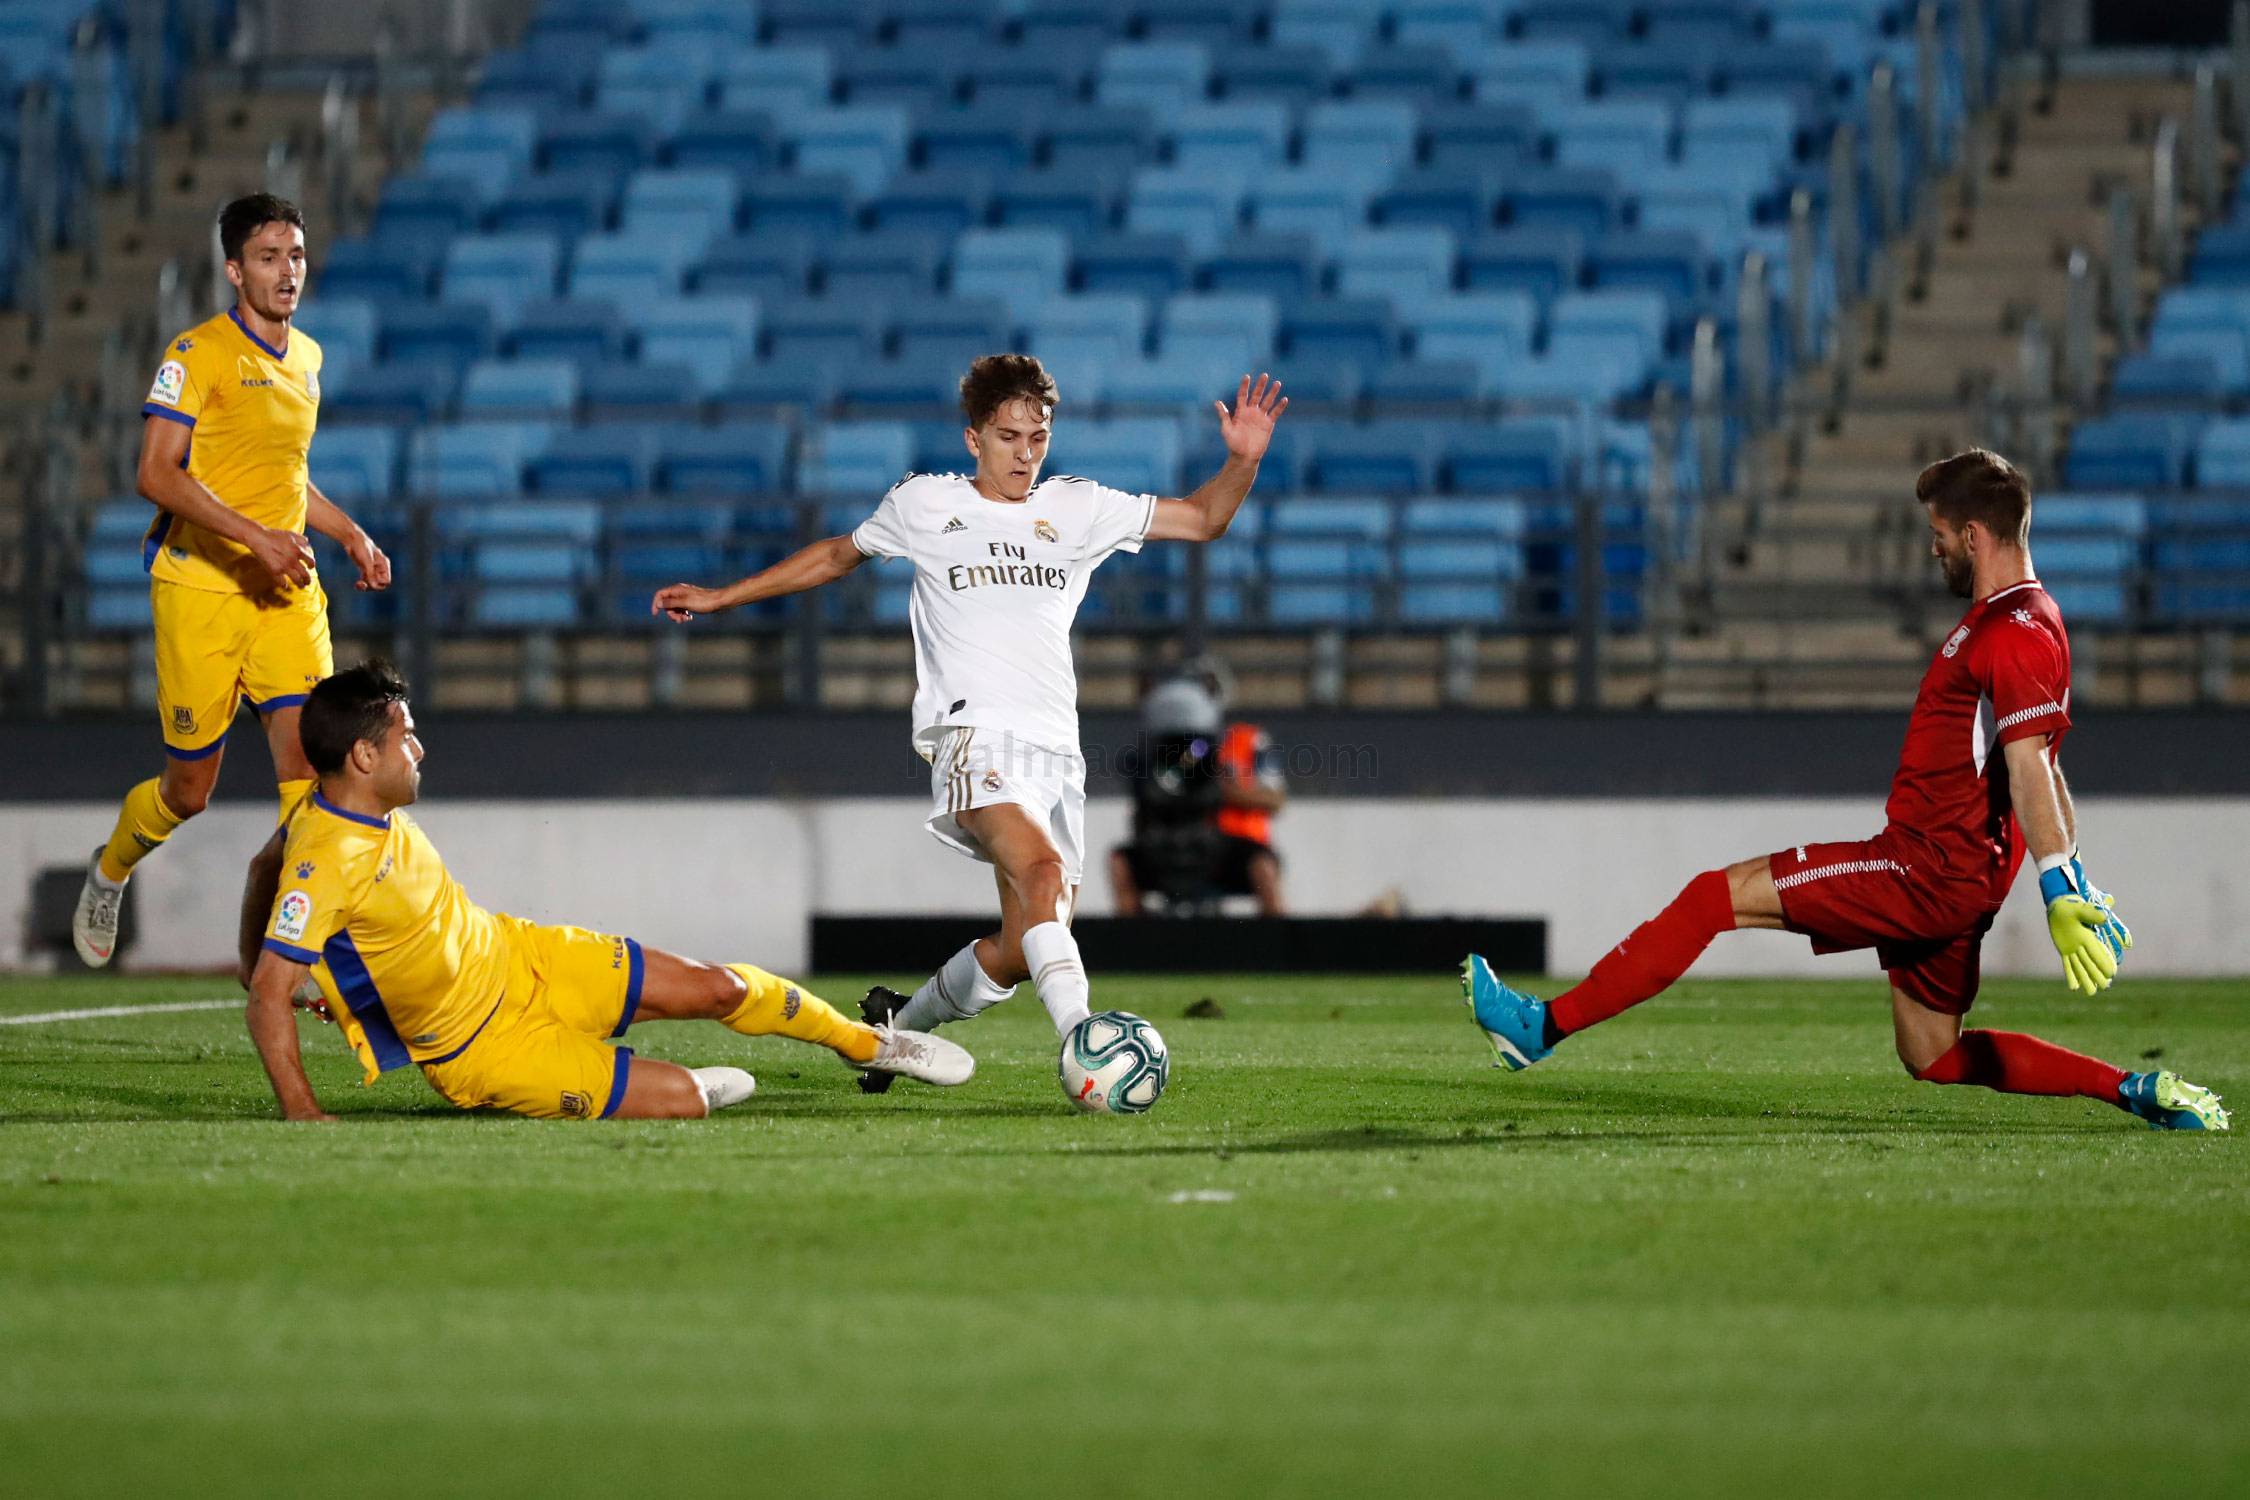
1979, 786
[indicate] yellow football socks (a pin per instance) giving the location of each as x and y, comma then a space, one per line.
781, 1007
143, 823
292, 793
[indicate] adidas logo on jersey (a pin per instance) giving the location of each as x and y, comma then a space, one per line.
952, 526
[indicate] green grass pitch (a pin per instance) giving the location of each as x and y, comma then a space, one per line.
1722, 1246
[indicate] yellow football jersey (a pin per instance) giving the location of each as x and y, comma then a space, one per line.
419, 966
250, 409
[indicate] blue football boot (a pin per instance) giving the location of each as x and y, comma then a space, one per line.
2169, 1102
1515, 1023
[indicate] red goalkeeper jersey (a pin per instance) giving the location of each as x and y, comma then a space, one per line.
2003, 674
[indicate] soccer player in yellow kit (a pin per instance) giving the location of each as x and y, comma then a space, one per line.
497, 1012
239, 612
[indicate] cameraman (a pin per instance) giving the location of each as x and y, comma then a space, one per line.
1203, 804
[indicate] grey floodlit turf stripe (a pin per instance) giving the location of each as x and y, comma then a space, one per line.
105, 1012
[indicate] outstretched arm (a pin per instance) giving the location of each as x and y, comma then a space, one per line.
274, 1029
1205, 515
824, 561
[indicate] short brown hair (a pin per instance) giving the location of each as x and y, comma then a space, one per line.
1980, 486
997, 379
244, 217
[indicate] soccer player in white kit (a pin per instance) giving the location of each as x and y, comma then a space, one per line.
1001, 561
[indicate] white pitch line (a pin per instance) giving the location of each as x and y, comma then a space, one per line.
103, 1012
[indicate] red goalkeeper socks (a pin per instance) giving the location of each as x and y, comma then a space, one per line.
2014, 1063
1658, 952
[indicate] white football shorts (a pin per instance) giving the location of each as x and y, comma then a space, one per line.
972, 767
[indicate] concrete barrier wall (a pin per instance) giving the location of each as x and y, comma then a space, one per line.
738, 878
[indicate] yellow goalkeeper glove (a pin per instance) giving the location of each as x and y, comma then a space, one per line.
2075, 923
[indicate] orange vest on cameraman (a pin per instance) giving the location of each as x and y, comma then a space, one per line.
1238, 757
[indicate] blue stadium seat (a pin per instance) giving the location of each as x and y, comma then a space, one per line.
481, 460
708, 335
1365, 141
700, 202
1217, 24
817, 331
502, 271
1422, 74
1716, 23
1201, 207
1537, 73
562, 205
1589, 21
1349, 330
346, 328
1101, 329
737, 459
1140, 455
437, 333
1390, 458
384, 272
519, 388
741, 140
1314, 201
2168, 379
1160, 76
892, 266
1080, 204
1760, 127
854, 458
981, 139
1542, 261
1672, 263
1625, 136
594, 145
774, 264
1339, 28
806, 386
1478, 137
863, 143
1151, 266
595, 462
1283, 266
1236, 136
1491, 330
1286, 73
818, 205
630, 266
920, 79
356, 464
583, 333
1527, 453
2131, 449
627, 391
784, 81
1170, 380
911, 385
1463, 201
1639, 314
1022, 82
1014, 263
2222, 455
1225, 334
1584, 200
392, 393
1669, 74
662, 82
1101, 138
1426, 383
956, 328
423, 207
1465, 28
526, 79
1408, 265
2223, 348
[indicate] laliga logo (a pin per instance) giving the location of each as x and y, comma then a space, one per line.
1953, 642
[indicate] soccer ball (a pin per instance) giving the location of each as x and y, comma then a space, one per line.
1114, 1063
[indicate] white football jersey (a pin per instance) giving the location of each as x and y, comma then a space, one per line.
996, 587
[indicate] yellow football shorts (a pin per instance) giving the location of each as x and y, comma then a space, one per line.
214, 649
547, 1050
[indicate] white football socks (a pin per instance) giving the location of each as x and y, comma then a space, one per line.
722, 1087
1058, 973
954, 993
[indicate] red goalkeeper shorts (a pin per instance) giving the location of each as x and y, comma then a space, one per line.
1927, 931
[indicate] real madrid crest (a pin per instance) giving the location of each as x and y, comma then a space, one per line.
1044, 530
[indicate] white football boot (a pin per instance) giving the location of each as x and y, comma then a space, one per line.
93, 927
722, 1088
917, 1054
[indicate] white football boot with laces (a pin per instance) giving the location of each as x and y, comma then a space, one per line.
917, 1054
93, 927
